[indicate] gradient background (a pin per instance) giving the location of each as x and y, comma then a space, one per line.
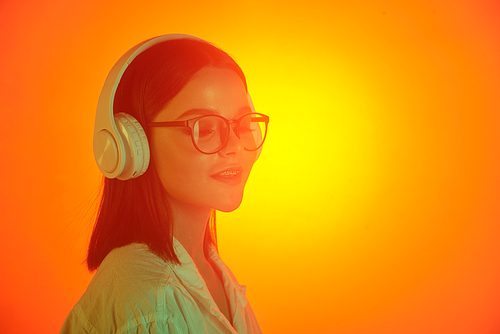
375, 205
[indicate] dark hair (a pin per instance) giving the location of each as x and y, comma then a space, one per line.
137, 210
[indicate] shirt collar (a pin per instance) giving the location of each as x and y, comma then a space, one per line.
190, 277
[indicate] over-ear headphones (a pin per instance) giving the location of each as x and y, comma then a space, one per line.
121, 147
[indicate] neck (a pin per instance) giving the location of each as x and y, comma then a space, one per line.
190, 225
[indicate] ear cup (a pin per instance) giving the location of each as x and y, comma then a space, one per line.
106, 153
136, 153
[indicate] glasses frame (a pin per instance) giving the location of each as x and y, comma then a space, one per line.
233, 123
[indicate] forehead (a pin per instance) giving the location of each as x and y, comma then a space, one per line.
218, 91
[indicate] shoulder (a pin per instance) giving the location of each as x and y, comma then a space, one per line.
132, 255
132, 268
130, 271
128, 291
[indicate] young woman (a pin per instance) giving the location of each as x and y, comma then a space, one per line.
176, 137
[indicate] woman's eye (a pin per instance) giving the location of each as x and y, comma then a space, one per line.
206, 132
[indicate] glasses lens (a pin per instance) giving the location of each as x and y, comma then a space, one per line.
209, 133
252, 131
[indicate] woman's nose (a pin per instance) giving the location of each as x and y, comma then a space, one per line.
233, 143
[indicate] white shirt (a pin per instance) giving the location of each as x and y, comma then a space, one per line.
135, 291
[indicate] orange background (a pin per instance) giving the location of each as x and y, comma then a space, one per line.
375, 205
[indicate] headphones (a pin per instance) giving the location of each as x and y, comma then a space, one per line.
121, 148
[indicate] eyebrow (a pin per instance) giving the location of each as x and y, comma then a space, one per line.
198, 112
203, 111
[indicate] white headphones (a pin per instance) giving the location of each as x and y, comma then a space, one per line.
121, 147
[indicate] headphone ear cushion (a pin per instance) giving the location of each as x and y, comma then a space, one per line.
136, 155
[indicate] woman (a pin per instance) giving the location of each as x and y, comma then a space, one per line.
176, 137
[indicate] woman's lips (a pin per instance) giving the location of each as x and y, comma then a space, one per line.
231, 175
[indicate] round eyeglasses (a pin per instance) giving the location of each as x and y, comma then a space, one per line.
210, 133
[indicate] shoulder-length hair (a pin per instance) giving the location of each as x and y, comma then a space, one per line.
137, 210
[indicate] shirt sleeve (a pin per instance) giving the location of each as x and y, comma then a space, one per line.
77, 323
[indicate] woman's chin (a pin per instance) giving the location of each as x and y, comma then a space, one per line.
230, 205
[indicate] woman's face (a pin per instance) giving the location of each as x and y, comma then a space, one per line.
208, 181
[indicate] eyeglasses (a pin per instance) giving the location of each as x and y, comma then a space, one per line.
210, 133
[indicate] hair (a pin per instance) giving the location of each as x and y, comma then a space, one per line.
137, 210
